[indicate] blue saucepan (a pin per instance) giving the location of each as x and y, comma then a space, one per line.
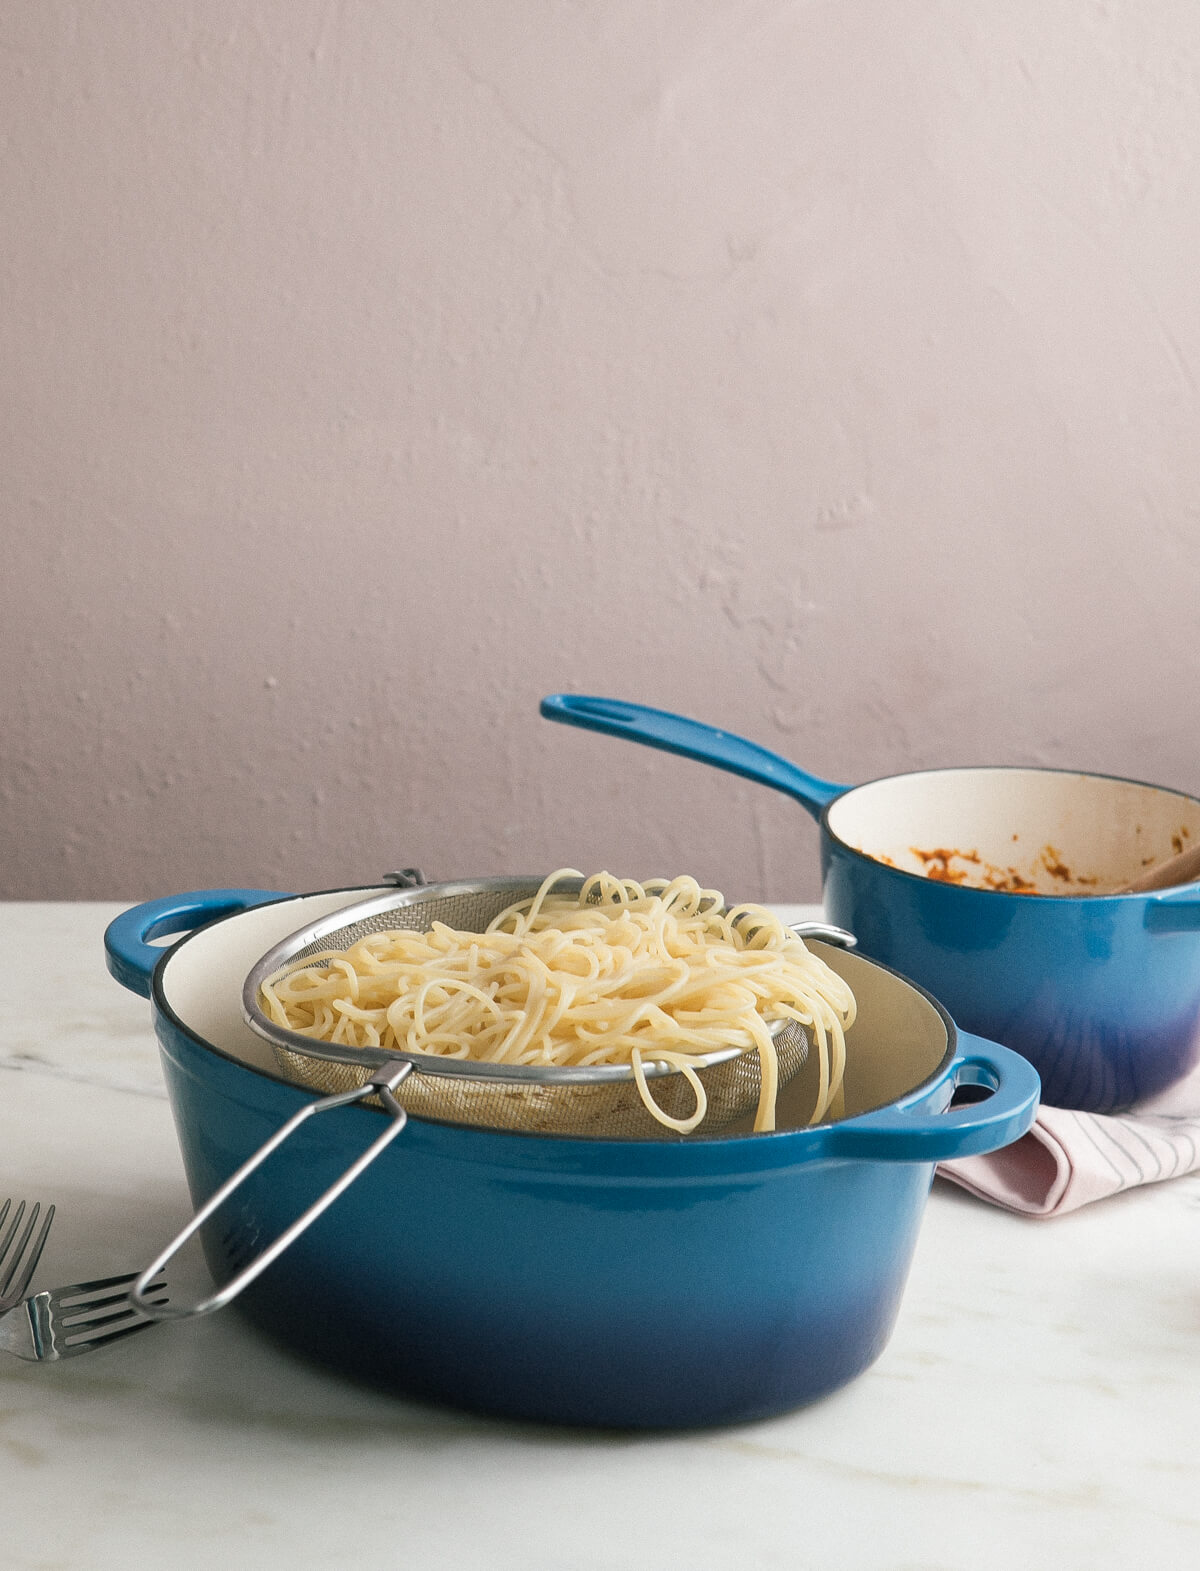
629, 1283
1100, 992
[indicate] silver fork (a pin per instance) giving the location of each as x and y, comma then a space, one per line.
19, 1257
70, 1320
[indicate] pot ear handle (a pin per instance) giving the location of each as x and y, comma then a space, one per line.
1173, 910
899, 1134
128, 952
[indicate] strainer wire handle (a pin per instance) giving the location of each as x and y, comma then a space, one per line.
838, 936
382, 1083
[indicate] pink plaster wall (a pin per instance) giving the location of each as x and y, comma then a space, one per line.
828, 371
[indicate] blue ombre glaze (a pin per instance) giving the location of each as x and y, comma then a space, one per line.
582, 1293
573, 1300
1102, 995
622, 1284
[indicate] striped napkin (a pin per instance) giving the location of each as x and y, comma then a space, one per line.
1070, 1159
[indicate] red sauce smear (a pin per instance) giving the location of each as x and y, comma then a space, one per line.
938, 863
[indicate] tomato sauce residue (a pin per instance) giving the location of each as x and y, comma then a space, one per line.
939, 863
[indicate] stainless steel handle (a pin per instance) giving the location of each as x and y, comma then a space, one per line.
382, 1083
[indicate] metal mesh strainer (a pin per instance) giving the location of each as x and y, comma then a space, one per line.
599, 1101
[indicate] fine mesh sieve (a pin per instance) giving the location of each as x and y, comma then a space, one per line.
596, 1101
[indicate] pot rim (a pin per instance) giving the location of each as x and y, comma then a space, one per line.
972, 890
165, 1009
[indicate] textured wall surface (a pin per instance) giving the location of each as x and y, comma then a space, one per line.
827, 371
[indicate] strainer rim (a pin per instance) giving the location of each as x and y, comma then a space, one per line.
521, 887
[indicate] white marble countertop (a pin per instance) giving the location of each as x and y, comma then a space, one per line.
1038, 1405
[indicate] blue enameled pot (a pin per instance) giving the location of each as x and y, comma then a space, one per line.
1100, 992
601, 1282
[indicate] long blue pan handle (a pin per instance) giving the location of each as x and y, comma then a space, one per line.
129, 955
898, 1134
692, 739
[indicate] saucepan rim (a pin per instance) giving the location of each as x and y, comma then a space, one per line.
1055, 900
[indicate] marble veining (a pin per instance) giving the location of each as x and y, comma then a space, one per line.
1039, 1401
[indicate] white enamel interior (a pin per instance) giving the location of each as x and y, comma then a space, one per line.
897, 1042
1100, 829
203, 982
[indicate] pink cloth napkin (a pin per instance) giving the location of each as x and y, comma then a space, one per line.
1069, 1159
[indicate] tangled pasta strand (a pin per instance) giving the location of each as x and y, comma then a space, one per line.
622, 973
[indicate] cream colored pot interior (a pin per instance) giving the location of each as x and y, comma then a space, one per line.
1062, 833
896, 1043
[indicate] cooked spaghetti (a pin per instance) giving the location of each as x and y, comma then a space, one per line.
622, 973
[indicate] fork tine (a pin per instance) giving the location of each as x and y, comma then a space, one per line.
79, 1324
78, 1289
88, 1332
13, 1226
79, 1303
92, 1303
67, 1349
25, 1264
49, 1329
85, 1315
